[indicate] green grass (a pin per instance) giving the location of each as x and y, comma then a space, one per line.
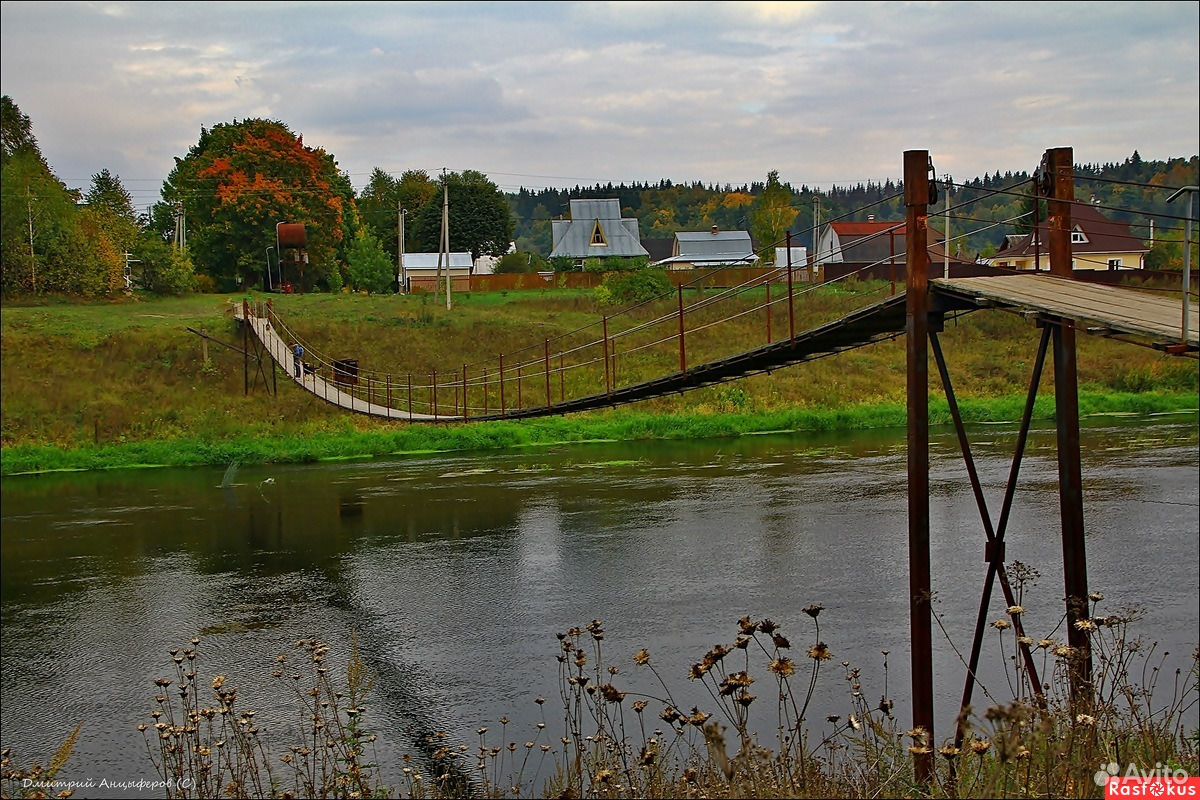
401, 440
117, 384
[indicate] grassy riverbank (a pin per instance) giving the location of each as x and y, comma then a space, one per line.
91, 386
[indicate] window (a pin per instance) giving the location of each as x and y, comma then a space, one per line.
1114, 263
1077, 237
598, 239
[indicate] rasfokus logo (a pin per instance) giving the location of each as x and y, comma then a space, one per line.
1160, 782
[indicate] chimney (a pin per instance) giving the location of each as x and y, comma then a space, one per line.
715, 230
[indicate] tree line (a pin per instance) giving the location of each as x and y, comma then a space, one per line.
226, 194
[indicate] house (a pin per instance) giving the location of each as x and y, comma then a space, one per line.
595, 230
659, 249
421, 272
1096, 243
867, 242
710, 249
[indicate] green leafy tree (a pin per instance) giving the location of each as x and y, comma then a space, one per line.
238, 181
108, 198
369, 267
16, 131
772, 214
480, 219
161, 268
378, 206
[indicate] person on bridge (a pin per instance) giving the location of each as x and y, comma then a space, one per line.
298, 359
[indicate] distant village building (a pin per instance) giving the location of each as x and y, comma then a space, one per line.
866, 242
595, 230
1096, 243
421, 272
710, 249
486, 265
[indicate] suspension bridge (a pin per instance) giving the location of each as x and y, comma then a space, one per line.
532, 382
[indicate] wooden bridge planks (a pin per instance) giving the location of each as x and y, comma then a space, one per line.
1116, 308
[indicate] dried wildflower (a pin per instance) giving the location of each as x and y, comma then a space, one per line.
767, 626
1064, 651
833, 718
980, 746
670, 716
218, 682
1016, 611
1085, 719
641, 657
610, 693
1095, 597
742, 642
784, 667
780, 641
1026, 640
747, 626
886, 705
1001, 624
596, 629
639, 706
813, 610
1046, 644
1085, 625
698, 717
697, 671
745, 699
949, 751
819, 652
920, 750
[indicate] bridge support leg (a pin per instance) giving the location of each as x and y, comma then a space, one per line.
1059, 171
916, 200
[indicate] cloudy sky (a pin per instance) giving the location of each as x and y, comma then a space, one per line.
557, 93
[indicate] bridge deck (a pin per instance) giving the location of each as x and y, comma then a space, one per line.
1113, 308
332, 393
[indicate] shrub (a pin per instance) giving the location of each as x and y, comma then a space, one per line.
369, 267
633, 287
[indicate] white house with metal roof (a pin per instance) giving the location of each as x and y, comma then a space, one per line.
714, 248
596, 230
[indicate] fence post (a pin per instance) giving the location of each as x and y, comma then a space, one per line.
503, 409
791, 308
520, 402
433, 388
246, 348
410, 414
562, 381
549, 402
607, 366
464, 414
485, 392
768, 310
389, 395
682, 345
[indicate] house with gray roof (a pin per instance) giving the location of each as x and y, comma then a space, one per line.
595, 230
710, 249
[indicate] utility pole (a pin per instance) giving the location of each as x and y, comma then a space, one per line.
446, 231
32, 257
400, 214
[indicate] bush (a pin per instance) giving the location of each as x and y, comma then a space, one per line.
370, 268
633, 287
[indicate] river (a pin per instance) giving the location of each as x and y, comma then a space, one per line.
456, 571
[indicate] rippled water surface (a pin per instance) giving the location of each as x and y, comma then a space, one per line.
457, 571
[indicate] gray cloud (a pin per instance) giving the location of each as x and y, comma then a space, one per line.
599, 91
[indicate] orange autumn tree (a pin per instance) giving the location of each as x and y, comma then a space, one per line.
241, 179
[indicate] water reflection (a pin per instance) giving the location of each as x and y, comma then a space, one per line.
456, 572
